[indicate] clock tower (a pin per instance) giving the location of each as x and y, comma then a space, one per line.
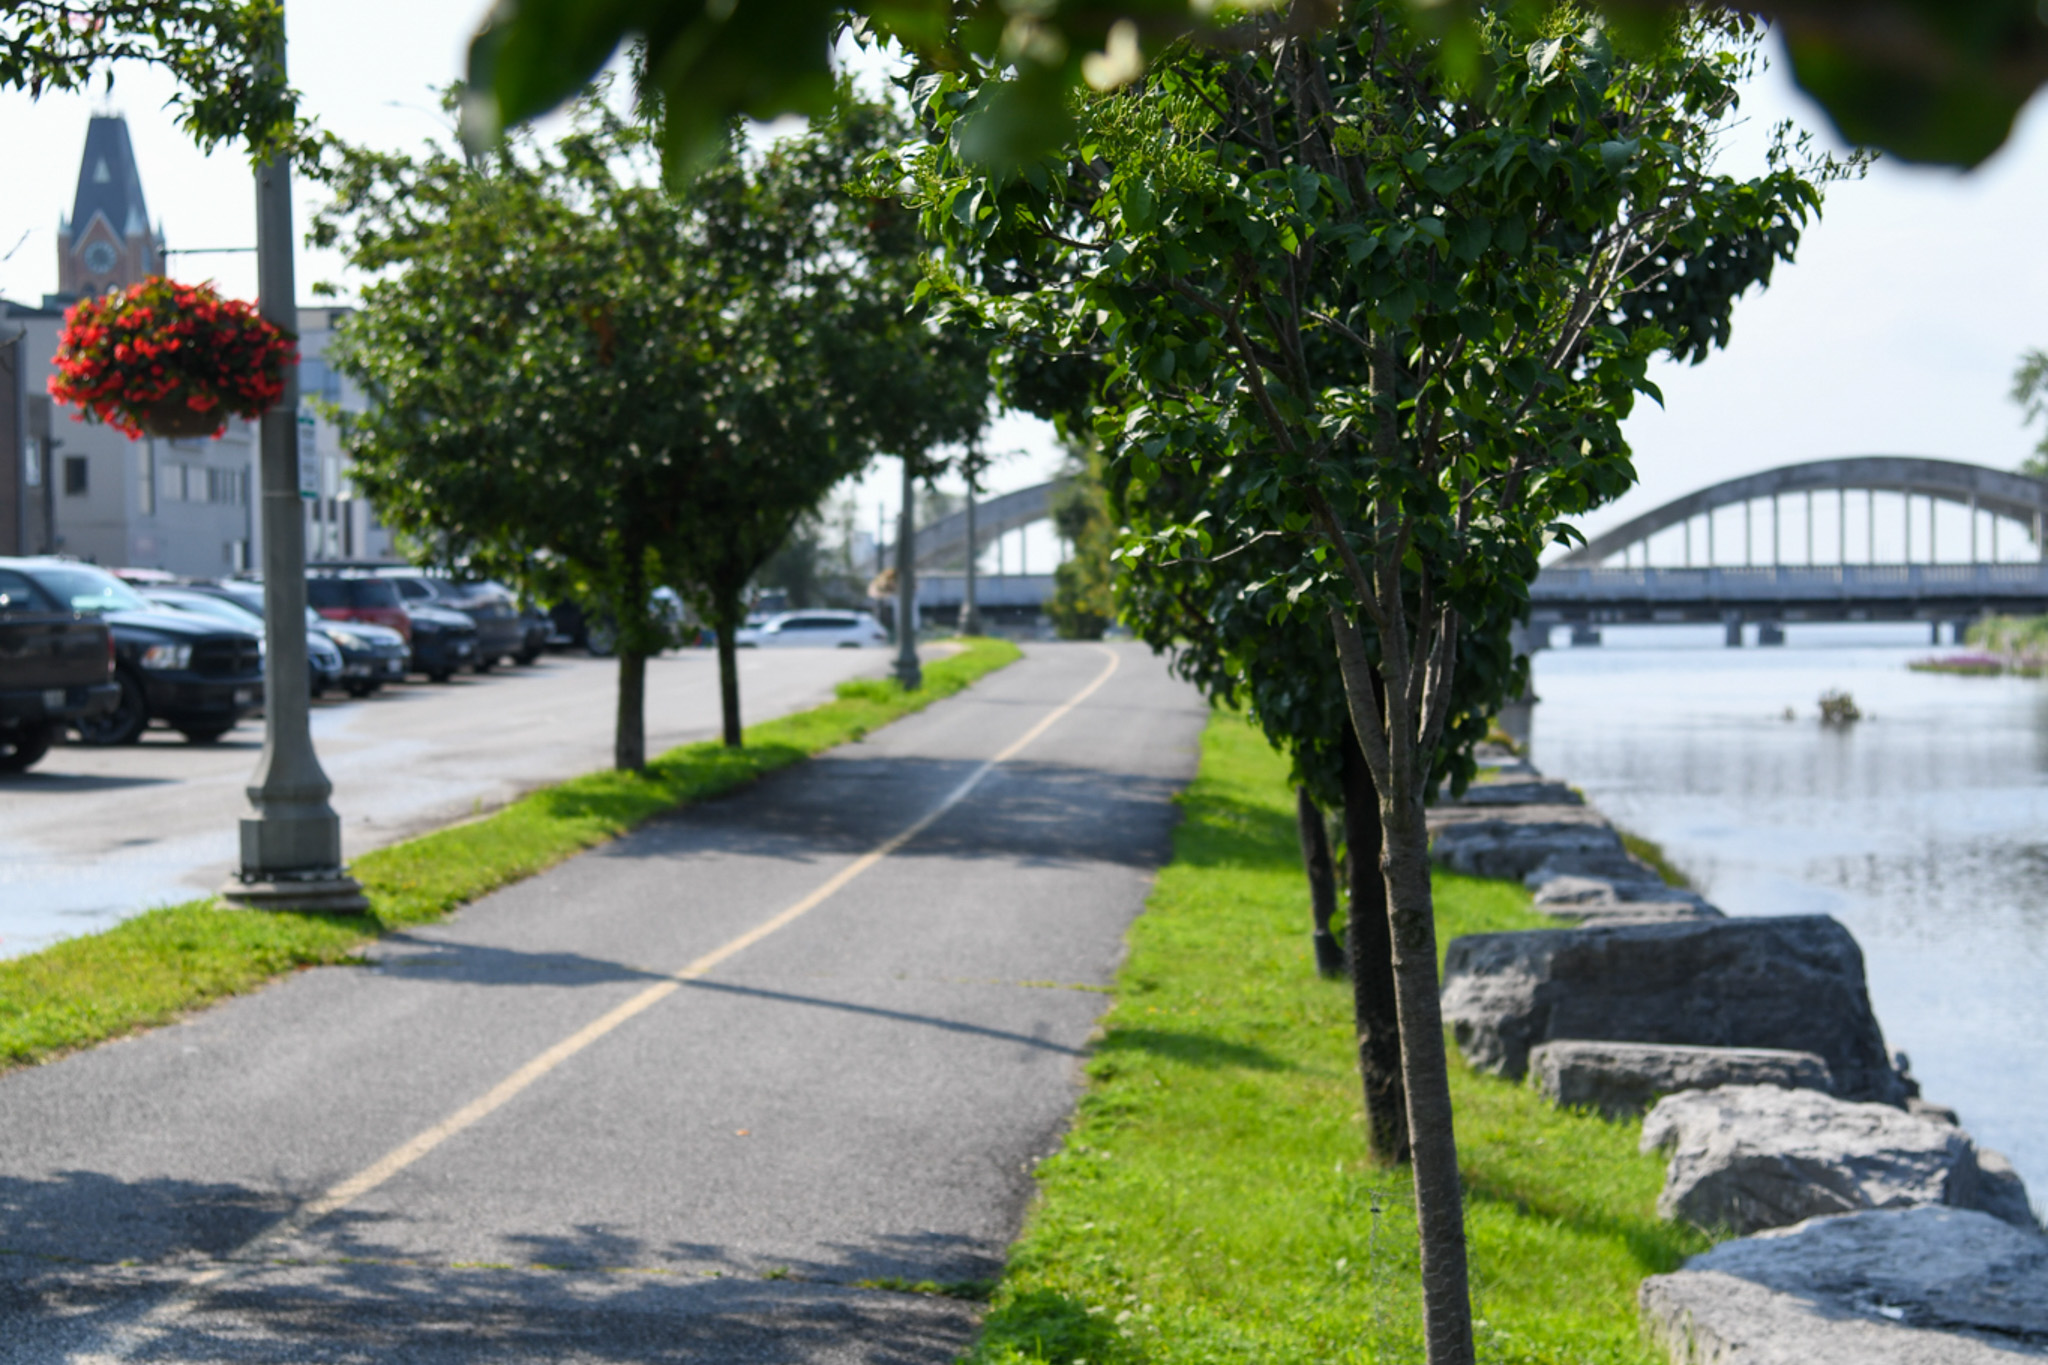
107, 242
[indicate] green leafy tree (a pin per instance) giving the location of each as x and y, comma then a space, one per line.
219, 52
1083, 600
1929, 80
2030, 391
1404, 316
588, 384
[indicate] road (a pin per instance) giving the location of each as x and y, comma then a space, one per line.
90, 836
674, 1100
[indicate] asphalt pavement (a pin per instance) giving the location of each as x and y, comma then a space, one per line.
89, 836
688, 1097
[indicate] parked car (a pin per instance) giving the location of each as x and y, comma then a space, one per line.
442, 641
197, 675
323, 660
500, 631
358, 597
597, 633
56, 669
370, 655
816, 629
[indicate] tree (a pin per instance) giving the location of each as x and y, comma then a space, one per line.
219, 51
2030, 391
592, 385
1403, 316
1929, 80
1083, 600
1225, 621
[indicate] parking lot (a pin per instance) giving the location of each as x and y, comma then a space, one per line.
91, 835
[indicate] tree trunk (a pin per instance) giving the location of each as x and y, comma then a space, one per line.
1411, 915
1375, 1010
1439, 1193
730, 616
1322, 881
629, 738
629, 745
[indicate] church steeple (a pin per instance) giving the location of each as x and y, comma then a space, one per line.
107, 242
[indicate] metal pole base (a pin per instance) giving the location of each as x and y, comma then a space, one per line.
324, 893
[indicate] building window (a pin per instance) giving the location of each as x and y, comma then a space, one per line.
227, 486
146, 486
32, 468
74, 476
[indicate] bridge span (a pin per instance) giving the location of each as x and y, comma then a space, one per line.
1865, 543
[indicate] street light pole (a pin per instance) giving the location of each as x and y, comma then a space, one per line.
907, 671
970, 609
291, 846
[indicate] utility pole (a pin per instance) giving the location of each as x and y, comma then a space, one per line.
907, 671
291, 846
970, 610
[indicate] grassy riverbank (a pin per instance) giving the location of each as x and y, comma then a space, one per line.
161, 963
1212, 1202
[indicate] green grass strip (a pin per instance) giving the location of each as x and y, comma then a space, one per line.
161, 963
1213, 1203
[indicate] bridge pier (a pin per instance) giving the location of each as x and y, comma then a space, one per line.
1769, 633
1583, 635
1733, 627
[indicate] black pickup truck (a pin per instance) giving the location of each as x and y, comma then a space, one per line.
56, 669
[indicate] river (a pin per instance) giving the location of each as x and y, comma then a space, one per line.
1923, 828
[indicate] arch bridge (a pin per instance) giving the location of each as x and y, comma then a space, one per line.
1868, 538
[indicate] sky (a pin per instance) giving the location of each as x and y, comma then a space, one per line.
1895, 331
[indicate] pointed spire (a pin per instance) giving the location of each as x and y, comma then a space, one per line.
109, 184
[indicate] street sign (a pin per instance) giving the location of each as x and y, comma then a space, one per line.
309, 457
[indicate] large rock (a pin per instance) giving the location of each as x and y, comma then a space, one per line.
1600, 877
1527, 792
1748, 1157
1930, 1286
1512, 841
1793, 983
1621, 1080
1632, 912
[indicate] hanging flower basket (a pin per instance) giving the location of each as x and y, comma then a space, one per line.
167, 359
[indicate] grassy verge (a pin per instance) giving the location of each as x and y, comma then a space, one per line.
161, 963
1652, 852
1212, 1202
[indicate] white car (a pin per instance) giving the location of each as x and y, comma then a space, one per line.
815, 630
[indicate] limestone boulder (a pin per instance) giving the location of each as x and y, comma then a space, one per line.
1621, 1080
1926, 1286
1519, 792
1792, 983
1600, 877
1748, 1157
1632, 912
1512, 841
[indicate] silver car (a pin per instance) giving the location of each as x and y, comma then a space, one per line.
814, 630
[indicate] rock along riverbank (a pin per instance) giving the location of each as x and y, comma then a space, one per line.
1873, 1229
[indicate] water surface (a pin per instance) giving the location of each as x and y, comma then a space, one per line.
1923, 828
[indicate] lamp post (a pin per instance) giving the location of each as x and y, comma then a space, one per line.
907, 671
291, 846
970, 609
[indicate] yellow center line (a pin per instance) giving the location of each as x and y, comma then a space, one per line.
484, 1105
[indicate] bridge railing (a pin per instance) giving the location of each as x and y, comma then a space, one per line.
1819, 582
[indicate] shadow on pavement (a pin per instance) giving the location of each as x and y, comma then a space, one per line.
1037, 814
58, 784
347, 1314
90, 1216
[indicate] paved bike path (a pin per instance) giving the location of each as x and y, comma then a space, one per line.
856, 1096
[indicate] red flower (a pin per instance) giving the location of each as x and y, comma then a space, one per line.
124, 356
